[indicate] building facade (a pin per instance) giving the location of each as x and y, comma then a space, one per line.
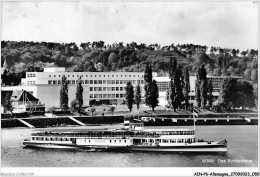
99, 87
163, 85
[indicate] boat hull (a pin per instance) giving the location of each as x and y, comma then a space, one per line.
185, 148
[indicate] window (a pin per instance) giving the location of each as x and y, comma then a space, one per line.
68, 75
59, 81
112, 75
99, 88
113, 81
121, 95
86, 81
109, 88
95, 82
109, 82
121, 88
121, 81
90, 75
117, 81
121, 75
113, 88
73, 82
104, 88
54, 82
91, 81
134, 81
117, 88
129, 75
91, 88
49, 82
104, 95
117, 95
104, 75
125, 81
69, 81
134, 75
100, 82
95, 95
113, 95
91, 95
95, 88
125, 75
54, 75
49, 75
72, 75
104, 81
142, 81
99, 75
95, 75
100, 95
86, 75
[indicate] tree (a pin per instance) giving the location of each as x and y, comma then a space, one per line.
186, 88
197, 90
7, 102
228, 96
129, 95
137, 96
209, 94
64, 94
170, 95
155, 95
74, 105
247, 74
79, 93
112, 109
201, 86
151, 89
245, 95
92, 110
254, 75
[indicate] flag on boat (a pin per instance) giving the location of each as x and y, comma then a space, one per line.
195, 114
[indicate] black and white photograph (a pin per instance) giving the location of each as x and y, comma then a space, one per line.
129, 87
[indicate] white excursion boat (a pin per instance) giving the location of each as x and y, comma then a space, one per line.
132, 138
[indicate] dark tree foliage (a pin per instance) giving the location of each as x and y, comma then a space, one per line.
173, 66
155, 95
197, 91
209, 94
170, 95
201, 85
64, 94
228, 96
186, 88
137, 96
129, 95
124, 57
151, 89
74, 105
245, 95
79, 94
7, 102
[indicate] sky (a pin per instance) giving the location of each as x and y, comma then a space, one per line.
220, 24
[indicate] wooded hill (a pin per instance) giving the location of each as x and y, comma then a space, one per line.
19, 57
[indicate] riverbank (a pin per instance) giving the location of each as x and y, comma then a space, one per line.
149, 120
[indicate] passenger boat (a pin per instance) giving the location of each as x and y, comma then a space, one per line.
133, 137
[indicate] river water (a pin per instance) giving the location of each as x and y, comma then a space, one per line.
242, 151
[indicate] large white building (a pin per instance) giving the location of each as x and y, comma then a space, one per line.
101, 87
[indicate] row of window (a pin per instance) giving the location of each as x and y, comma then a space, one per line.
30, 82
116, 75
108, 89
31, 75
97, 81
106, 95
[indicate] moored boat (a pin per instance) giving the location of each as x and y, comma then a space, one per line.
134, 137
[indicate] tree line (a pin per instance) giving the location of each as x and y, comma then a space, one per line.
21, 57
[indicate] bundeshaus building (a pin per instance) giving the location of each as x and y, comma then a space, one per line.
100, 87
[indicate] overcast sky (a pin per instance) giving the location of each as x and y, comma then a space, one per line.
223, 24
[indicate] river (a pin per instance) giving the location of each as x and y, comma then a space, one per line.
242, 151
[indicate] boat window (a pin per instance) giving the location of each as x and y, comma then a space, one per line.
119, 141
33, 138
125, 141
46, 139
115, 141
110, 141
